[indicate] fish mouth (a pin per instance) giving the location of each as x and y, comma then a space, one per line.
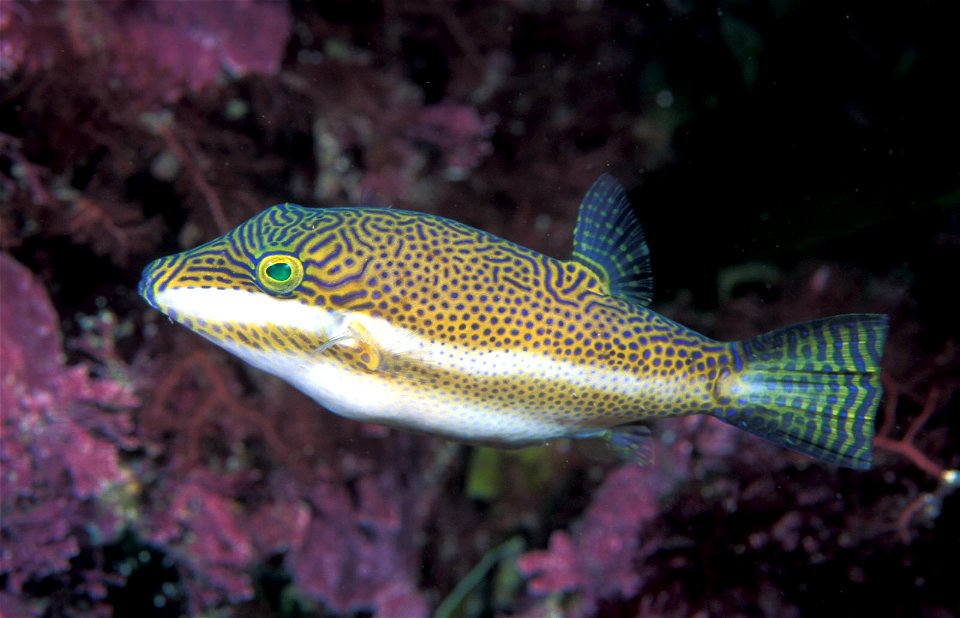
147, 288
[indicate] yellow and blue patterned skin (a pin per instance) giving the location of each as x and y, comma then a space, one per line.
420, 322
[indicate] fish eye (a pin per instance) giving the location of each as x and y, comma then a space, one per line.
279, 273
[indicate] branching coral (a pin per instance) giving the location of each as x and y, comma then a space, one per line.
195, 383
927, 505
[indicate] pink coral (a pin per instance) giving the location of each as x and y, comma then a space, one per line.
160, 49
352, 553
458, 131
61, 432
599, 560
191, 43
355, 553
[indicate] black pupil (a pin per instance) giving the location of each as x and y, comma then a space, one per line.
279, 271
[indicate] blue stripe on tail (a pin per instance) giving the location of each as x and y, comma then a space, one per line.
813, 387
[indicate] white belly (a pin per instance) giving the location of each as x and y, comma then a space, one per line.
368, 397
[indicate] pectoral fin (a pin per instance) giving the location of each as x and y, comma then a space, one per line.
370, 354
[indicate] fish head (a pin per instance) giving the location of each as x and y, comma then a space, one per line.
279, 283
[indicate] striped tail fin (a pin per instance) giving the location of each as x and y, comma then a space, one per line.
813, 387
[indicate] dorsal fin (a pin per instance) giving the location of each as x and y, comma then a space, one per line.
609, 241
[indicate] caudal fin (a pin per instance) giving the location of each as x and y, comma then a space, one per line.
813, 387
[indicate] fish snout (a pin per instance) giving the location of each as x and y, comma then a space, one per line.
147, 288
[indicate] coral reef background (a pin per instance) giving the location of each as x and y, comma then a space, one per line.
788, 159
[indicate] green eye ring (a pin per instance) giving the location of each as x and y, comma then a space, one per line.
279, 273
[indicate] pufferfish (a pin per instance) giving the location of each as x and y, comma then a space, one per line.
419, 322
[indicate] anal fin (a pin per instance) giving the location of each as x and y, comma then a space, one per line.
633, 442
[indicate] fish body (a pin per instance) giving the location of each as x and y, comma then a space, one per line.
420, 322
